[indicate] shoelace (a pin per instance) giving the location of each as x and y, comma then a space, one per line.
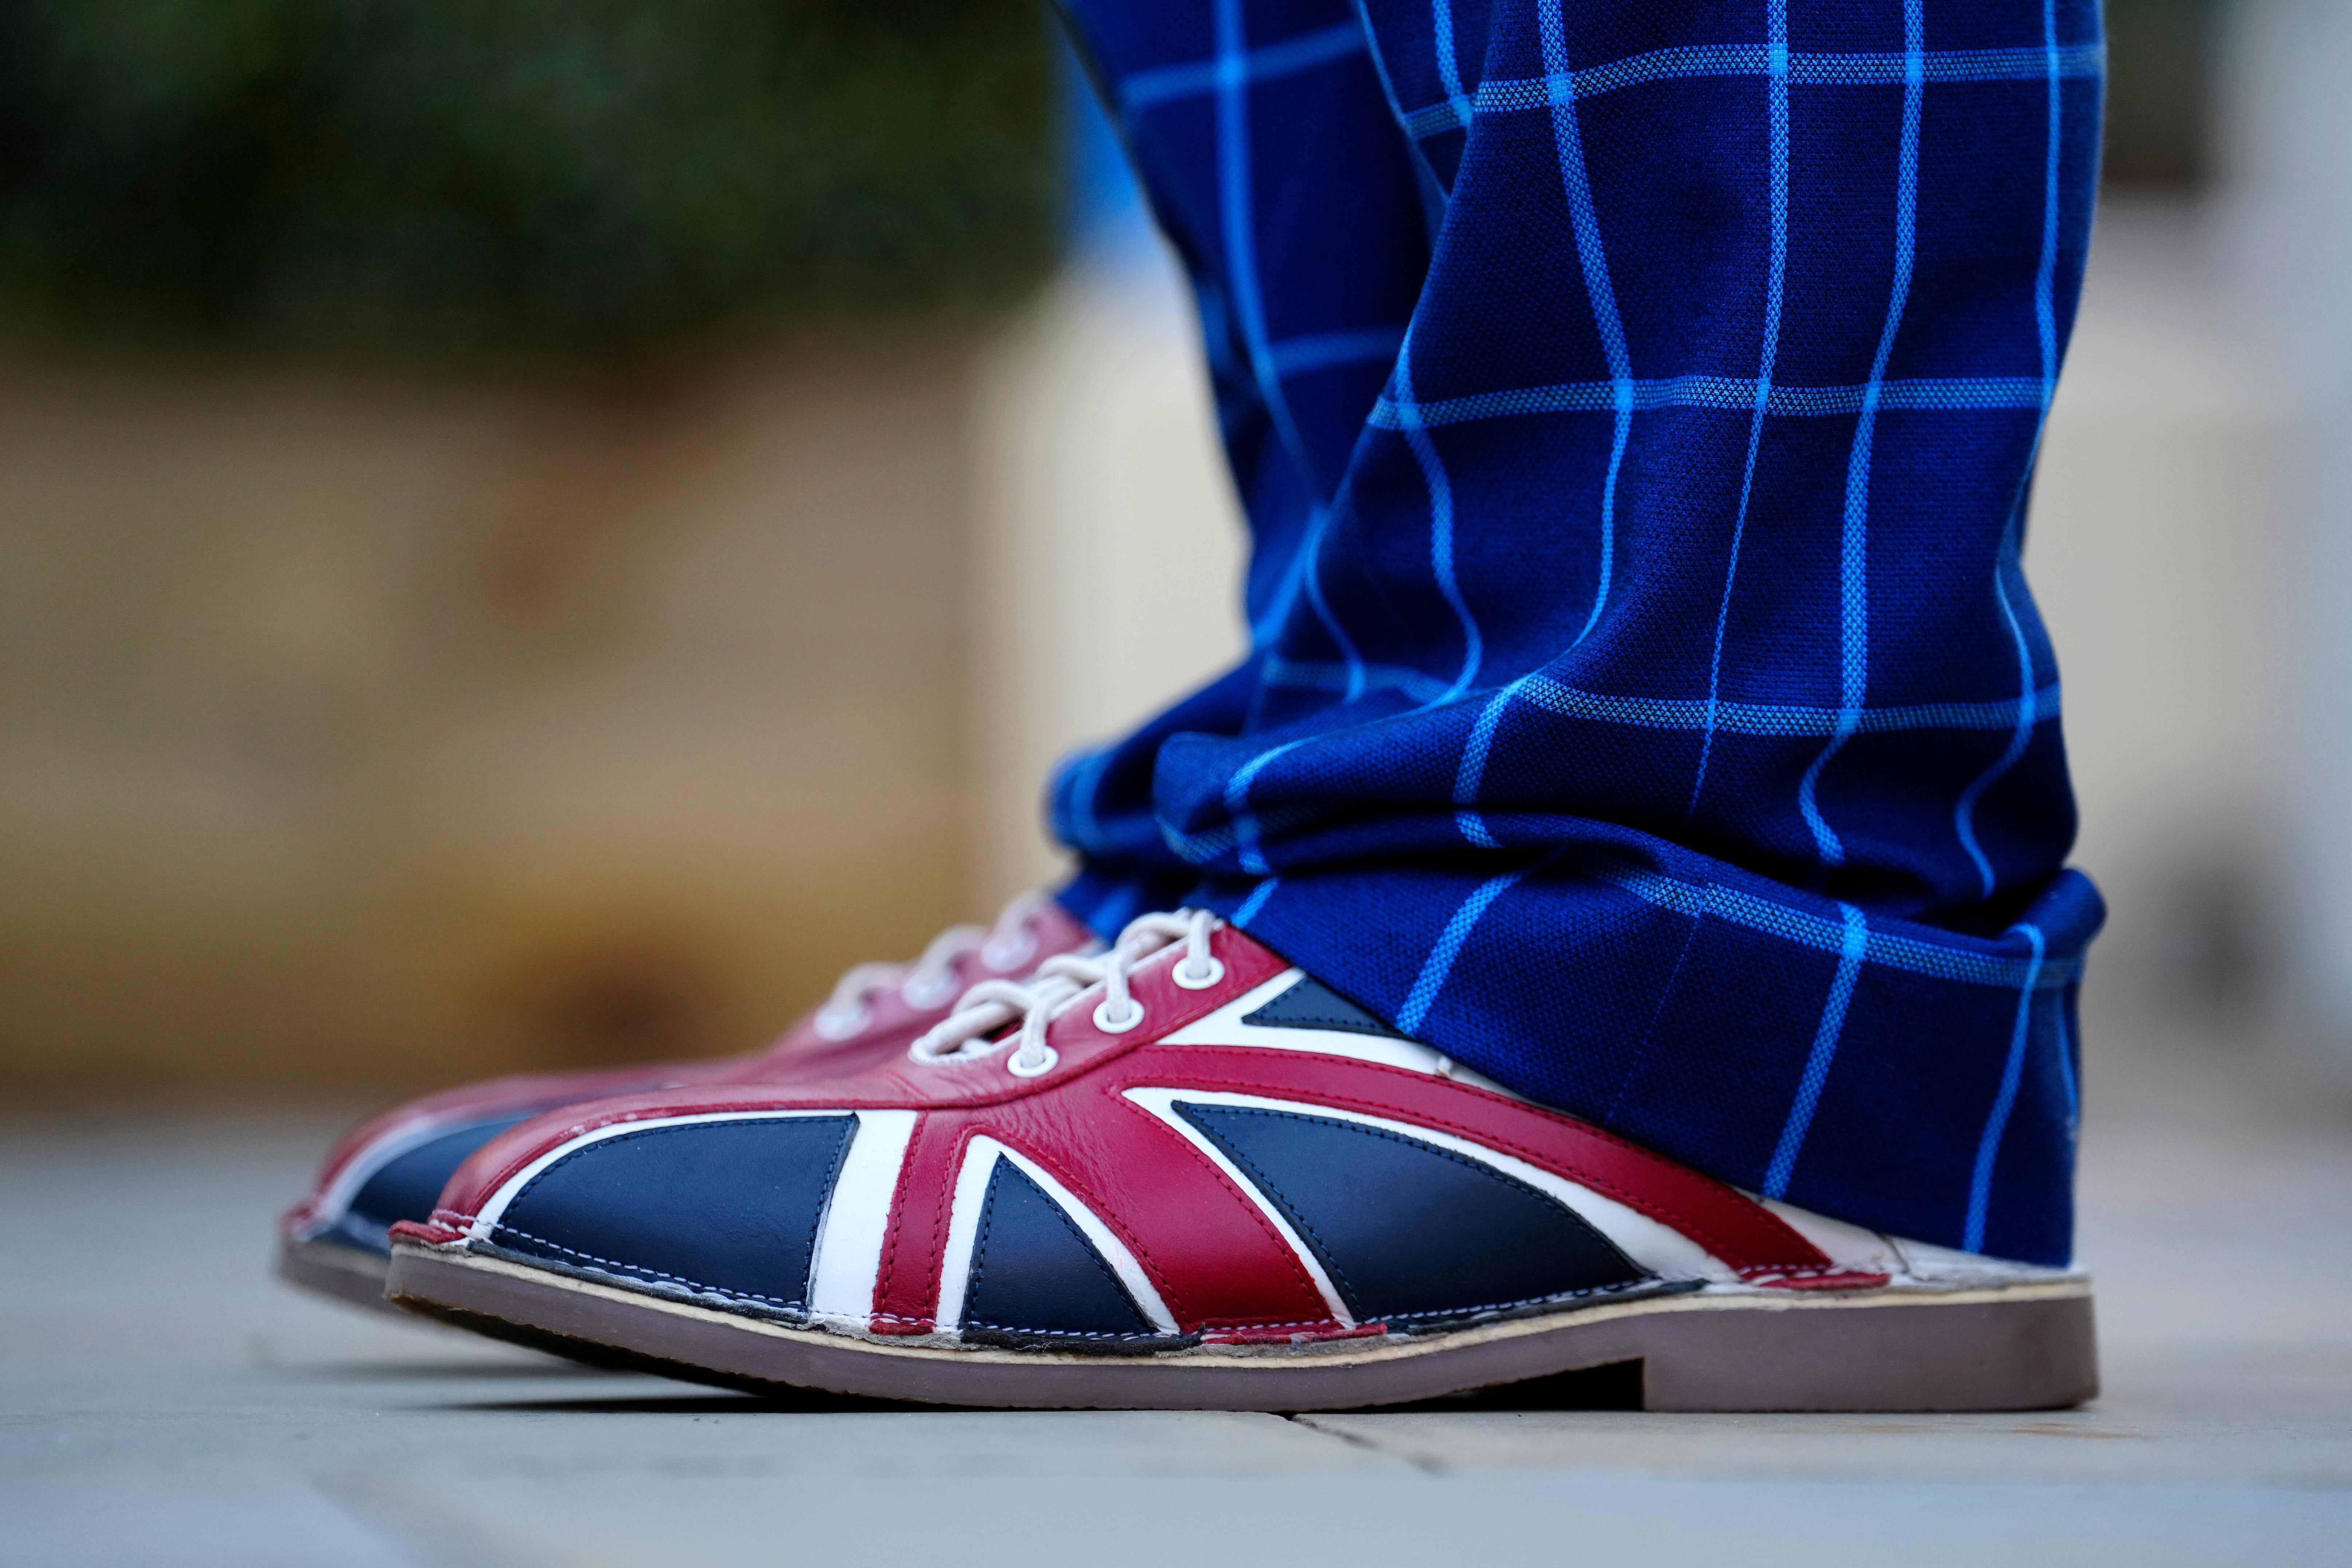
929, 981
987, 1007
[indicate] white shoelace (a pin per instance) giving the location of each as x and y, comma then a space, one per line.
987, 1007
929, 981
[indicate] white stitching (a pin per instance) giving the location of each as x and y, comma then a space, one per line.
641, 1268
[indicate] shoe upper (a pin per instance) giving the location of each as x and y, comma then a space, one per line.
392, 1167
1248, 1157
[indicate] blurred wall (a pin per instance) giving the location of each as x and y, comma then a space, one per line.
1110, 546
2284, 242
1110, 553
579, 672
2154, 551
356, 730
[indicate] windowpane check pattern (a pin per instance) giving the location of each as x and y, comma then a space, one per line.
1635, 406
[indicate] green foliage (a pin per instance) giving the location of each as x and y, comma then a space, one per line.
461, 175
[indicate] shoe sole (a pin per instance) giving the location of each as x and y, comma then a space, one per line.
2018, 1347
340, 1273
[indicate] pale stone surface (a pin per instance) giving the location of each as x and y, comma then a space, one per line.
165, 1403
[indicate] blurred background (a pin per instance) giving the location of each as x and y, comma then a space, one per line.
524, 529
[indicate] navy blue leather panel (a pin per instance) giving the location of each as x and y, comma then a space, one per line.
408, 1186
1408, 1230
1311, 1004
730, 1207
1033, 1270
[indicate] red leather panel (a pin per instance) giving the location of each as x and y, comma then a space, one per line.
907, 1286
1215, 1258
1212, 1253
799, 1054
900, 1084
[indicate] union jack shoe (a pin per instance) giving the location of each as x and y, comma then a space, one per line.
392, 1167
1186, 1176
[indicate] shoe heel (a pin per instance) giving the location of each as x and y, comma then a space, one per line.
2019, 1350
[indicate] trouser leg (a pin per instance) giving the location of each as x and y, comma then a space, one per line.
1275, 166
1662, 723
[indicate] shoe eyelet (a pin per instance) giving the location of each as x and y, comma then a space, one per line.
1216, 971
1012, 1064
928, 998
1108, 1025
1006, 957
832, 1025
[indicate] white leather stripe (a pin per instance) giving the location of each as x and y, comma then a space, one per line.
1225, 1027
964, 1226
1848, 1245
1218, 1026
1876, 1252
1160, 1103
1945, 1267
486, 1221
1657, 1247
857, 1218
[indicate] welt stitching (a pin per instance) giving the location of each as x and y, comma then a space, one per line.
832, 1174
1622, 1287
1287, 1323
1630, 1287
655, 1273
1068, 1333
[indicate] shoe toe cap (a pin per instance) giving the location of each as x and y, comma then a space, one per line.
407, 1179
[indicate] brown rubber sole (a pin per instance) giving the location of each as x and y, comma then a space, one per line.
343, 1273
2017, 1347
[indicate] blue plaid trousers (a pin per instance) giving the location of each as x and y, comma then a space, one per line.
1634, 403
